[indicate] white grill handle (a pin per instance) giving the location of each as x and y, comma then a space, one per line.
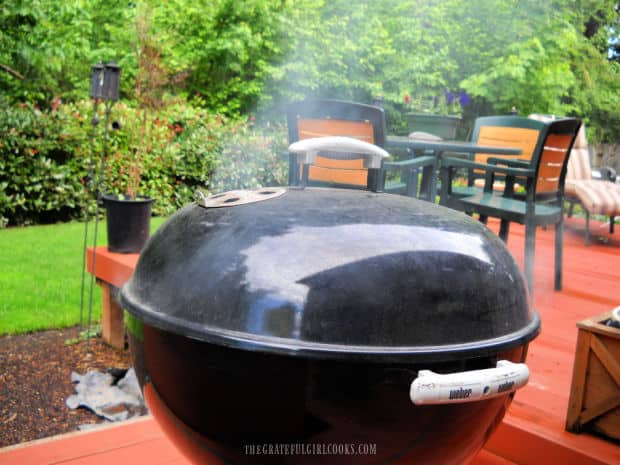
337, 146
468, 386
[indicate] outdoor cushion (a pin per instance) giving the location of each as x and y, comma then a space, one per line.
578, 167
598, 197
578, 170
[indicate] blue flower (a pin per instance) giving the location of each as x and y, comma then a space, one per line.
449, 96
464, 98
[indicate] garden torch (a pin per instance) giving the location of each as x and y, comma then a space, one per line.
104, 87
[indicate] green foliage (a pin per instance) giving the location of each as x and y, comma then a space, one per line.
548, 57
189, 148
226, 56
39, 177
41, 276
355, 51
539, 57
240, 58
45, 158
222, 49
251, 158
47, 47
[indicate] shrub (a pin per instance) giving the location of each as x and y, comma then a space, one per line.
250, 158
38, 181
45, 158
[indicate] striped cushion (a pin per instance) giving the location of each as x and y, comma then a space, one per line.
578, 169
580, 141
569, 187
599, 197
579, 164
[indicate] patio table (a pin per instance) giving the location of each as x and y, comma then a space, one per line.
438, 148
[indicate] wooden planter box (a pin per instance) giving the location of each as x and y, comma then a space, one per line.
594, 403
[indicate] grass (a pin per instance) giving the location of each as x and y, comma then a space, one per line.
41, 276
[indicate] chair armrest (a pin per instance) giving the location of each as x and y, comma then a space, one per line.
410, 163
461, 155
513, 162
460, 163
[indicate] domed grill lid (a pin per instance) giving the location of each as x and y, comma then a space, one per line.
333, 273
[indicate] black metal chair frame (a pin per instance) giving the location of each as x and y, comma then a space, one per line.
535, 209
324, 109
501, 121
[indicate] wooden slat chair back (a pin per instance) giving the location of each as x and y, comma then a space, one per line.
504, 131
512, 137
578, 168
553, 162
331, 171
324, 118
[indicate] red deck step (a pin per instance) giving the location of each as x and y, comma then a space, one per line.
135, 442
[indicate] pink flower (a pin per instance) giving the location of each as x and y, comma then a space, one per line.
56, 102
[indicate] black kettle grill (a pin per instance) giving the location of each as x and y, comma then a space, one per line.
275, 325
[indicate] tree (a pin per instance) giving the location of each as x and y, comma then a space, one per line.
224, 48
47, 47
559, 67
234, 57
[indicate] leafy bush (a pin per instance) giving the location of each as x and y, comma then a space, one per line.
190, 148
250, 159
45, 158
39, 176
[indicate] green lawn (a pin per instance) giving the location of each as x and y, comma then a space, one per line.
41, 276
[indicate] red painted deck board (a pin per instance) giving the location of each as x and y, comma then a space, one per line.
135, 442
113, 268
532, 432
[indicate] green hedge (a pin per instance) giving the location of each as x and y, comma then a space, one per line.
45, 158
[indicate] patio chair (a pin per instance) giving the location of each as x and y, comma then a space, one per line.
324, 118
595, 190
503, 131
543, 202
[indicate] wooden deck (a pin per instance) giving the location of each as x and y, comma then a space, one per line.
532, 432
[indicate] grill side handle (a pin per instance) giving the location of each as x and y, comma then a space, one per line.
468, 386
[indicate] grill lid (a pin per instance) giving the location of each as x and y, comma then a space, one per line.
333, 273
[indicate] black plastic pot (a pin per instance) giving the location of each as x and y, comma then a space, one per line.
128, 223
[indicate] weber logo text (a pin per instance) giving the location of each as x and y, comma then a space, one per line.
460, 393
507, 386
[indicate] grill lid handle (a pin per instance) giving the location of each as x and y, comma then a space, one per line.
468, 386
337, 147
